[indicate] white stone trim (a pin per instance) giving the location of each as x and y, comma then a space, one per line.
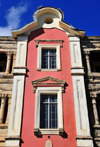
75, 52
14, 126
21, 52
81, 112
47, 90
15, 118
39, 56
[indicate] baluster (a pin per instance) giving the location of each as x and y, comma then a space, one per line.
8, 111
3, 102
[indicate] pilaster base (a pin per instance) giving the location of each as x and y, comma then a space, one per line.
84, 141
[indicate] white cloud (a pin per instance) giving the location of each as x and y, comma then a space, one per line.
13, 17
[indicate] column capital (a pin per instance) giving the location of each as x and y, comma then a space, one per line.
5, 95
9, 54
86, 52
93, 95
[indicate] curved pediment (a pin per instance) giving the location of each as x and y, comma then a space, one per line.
47, 17
48, 81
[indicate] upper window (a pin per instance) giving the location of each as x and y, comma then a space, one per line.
48, 57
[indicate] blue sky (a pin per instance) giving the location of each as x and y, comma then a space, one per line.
82, 14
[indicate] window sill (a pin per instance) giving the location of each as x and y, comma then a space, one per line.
48, 131
47, 70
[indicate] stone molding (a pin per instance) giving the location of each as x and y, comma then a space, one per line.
84, 137
78, 73
3, 126
77, 67
5, 95
48, 40
13, 138
86, 52
9, 76
38, 82
93, 94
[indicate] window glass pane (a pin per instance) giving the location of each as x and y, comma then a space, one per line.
53, 98
97, 68
44, 62
53, 108
48, 111
52, 51
43, 116
48, 58
52, 62
44, 98
44, 52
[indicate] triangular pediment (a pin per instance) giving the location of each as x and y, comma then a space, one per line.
50, 81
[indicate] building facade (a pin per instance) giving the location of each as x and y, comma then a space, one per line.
49, 73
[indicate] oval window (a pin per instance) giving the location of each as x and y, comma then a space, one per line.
48, 20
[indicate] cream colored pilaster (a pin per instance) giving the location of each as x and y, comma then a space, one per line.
8, 62
15, 116
8, 111
14, 59
88, 61
81, 112
3, 102
96, 118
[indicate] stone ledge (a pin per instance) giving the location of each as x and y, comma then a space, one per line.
2, 139
77, 73
3, 126
97, 126
20, 67
96, 139
84, 146
13, 138
84, 137
4, 75
9, 146
76, 67
16, 73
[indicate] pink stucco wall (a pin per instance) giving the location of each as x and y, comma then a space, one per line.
27, 135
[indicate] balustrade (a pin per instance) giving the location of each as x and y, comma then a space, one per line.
5, 102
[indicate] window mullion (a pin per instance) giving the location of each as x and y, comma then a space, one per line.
48, 111
48, 59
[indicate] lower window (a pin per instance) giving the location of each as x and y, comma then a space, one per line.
48, 111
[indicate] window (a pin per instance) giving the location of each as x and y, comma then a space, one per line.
48, 111
48, 57
3, 60
96, 66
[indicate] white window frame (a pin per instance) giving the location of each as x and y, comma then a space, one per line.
48, 90
39, 56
